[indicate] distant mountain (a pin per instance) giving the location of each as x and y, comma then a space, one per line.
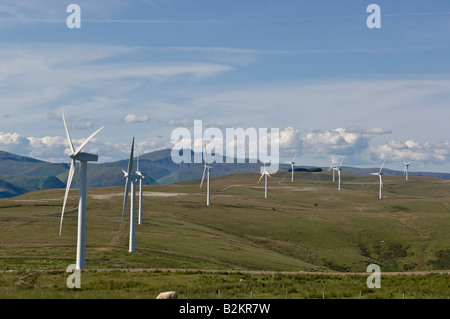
21, 174
9, 190
52, 182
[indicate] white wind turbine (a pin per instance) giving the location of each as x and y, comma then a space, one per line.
406, 168
292, 167
381, 180
83, 158
338, 169
265, 174
206, 170
141, 193
333, 167
131, 178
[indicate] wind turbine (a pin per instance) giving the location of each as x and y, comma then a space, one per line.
381, 180
406, 168
338, 169
141, 193
292, 167
131, 178
206, 170
83, 158
332, 167
265, 174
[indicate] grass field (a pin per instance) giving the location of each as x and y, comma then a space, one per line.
305, 226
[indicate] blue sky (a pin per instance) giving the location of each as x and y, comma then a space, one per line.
313, 69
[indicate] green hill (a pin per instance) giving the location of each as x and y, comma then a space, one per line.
25, 174
303, 226
306, 228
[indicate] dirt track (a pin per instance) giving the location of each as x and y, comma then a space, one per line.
252, 272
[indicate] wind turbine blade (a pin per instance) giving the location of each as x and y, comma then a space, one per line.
69, 181
203, 177
137, 164
127, 190
87, 140
268, 174
67, 133
260, 178
130, 161
294, 158
340, 164
382, 166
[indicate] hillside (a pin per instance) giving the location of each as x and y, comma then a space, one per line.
22, 174
306, 227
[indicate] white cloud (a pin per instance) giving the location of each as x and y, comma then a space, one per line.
14, 143
339, 142
428, 152
290, 139
133, 118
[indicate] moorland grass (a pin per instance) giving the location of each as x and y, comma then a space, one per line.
303, 226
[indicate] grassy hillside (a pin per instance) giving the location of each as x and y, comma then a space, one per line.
305, 226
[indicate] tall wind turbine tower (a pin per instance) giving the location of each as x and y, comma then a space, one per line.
83, 158
206, 170
141, 193
292, 168
406, 168
131, 178
379, 174
265, 174
338, 169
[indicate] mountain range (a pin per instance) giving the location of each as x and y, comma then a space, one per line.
22, 174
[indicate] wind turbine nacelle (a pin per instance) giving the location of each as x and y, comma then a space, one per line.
134, 176
85, 157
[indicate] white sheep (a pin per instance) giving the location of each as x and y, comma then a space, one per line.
167, 295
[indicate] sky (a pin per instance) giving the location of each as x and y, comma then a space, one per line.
335, 88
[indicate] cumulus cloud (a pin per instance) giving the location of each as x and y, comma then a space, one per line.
340, 141
133, 118
14, 143
290, 139
428, 152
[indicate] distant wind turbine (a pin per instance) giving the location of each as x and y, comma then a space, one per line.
406, 168
381, 180
141, 193
292, 168
206, 170
333, 168
83, 158
265, 174
131, 178
338, 169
